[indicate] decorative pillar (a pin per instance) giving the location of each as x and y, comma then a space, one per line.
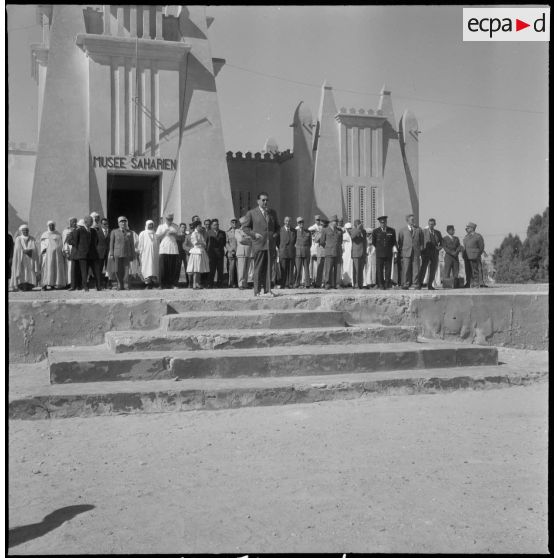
146, 34
140, 148
128, 110
154, 108
159, 23
133, 21
106, 19
114, 108
120, 21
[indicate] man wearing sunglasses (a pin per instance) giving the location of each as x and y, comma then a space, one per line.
263, 227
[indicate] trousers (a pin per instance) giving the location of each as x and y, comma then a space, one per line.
383, 271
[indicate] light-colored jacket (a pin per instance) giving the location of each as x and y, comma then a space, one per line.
243, 250
473, 245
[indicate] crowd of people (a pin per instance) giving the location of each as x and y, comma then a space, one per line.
256, 249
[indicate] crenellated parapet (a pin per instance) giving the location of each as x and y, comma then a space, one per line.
248, 156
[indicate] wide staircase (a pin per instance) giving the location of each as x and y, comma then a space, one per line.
225, 359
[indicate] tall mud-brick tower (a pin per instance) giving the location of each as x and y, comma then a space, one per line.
129, 121
366, 163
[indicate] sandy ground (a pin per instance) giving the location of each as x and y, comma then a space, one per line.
456, 472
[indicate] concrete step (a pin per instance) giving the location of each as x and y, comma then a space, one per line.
160, 340
253, 319
31, 397
93, 364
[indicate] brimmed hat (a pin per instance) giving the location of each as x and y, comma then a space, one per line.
122, 218
299, 219
318, 218
382, 218
469, 224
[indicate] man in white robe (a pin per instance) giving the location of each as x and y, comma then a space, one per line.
25, 263
53, 266
148, 248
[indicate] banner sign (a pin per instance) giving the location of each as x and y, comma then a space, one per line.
134, 163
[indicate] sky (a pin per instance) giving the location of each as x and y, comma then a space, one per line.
482, 107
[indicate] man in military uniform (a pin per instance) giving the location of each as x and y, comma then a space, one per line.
331, 240
383, 239
473, 247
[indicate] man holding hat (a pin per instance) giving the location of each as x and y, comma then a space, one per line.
384, 240
302, 253
358, 253
331, 239
168, 253
473, 247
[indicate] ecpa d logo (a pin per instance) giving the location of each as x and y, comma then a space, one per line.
506, 24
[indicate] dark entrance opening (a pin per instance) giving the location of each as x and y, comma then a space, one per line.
136, 196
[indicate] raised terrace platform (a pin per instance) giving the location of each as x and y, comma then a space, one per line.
508, 316
284, 346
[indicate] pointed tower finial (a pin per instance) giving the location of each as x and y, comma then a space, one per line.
385, 90
386, 107
326, 85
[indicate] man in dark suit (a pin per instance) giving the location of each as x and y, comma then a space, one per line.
383, 239
84, 239
231, 253
473, 247
303, 245
122, 250
217, 240
410, 241
103, 242
287, 253
431, 248
262, 226
358, 253
452, 247
331, 240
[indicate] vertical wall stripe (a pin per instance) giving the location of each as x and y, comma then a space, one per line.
128, 110
114, 108
154, 108
141, 111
